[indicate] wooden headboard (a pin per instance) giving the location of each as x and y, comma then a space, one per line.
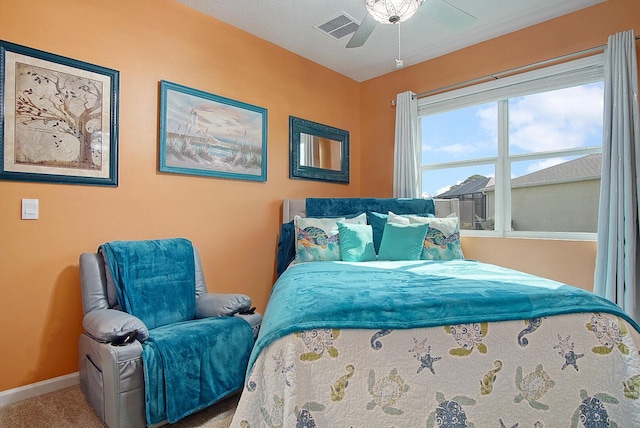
293, 207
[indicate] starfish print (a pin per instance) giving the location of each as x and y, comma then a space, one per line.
281, 368
566, 350
571, 358
423, 355
427, 361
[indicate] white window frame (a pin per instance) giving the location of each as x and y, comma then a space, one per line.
568, 74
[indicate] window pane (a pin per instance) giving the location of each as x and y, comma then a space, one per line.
556, 120
467, 188
468, 133
547, 142
556, 195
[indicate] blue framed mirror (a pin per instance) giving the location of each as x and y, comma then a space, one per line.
318, 152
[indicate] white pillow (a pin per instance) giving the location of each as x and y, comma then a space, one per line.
397, 219
359, 219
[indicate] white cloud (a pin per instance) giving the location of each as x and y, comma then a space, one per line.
562, 119
444, 189
489, 120
457, 149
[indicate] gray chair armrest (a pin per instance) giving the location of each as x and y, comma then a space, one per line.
221, 304
109, 325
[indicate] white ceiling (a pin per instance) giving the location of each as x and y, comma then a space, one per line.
290, 24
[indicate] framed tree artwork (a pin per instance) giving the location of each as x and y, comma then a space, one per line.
59, 118
209, 135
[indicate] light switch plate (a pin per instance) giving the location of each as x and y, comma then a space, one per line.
30, 209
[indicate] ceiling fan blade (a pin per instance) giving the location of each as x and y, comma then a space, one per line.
449, 15
363, 32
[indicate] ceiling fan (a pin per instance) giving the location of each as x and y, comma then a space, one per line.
396, 11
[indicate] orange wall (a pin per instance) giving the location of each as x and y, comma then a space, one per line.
233, 223
569, 261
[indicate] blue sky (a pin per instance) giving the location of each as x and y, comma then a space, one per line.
555, 120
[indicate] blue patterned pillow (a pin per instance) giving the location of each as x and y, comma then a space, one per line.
442, 241
317, 239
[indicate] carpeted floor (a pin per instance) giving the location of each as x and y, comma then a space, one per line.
67, 408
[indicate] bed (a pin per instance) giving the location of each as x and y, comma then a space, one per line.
433, 340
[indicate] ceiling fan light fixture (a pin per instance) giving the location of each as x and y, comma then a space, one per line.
392, 11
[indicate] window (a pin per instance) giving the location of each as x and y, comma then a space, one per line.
519, 156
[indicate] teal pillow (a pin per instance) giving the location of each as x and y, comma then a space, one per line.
402, 241
378, 222
356, 242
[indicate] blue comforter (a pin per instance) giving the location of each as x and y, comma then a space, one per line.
394, 295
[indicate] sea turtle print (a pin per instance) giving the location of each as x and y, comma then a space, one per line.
423, 355
565, 349
632, 387
312, 236
436, 238
386, 391
486, 384
304, 417
274, 417
449, 413
591, 413
533, 386
317, 341
468, 336
609, 333
340, 386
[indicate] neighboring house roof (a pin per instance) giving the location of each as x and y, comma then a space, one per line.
471, 187
584, 168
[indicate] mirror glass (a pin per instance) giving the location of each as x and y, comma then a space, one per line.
318, 152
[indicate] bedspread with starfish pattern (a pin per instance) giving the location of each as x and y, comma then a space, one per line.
568, 369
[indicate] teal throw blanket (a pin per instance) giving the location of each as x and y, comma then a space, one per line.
410, 294
201, 361
189, 363
154, 279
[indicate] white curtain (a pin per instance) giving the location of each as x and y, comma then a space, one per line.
616, 273
306, 150
406, 154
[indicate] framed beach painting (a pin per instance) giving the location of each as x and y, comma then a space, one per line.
209, 135
59, 118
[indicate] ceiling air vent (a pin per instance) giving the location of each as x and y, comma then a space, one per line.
338, 27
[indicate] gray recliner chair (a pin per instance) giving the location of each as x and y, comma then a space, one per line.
111, 346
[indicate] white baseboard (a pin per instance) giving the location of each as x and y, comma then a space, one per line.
11, 396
